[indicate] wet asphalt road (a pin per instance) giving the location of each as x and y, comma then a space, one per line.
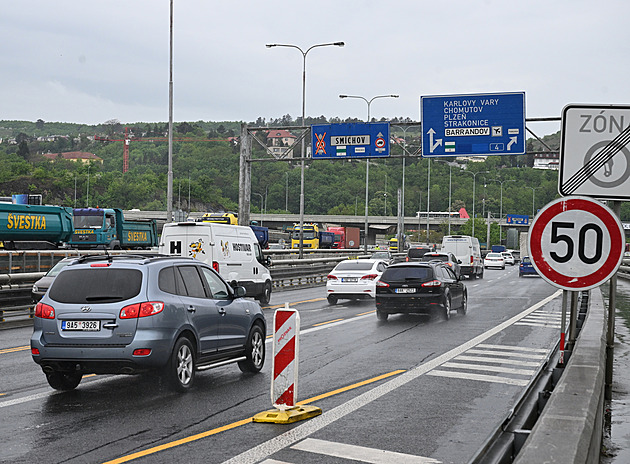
417, 386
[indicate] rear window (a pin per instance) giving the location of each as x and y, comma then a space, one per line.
398, 274
96, 285
416, 252
354, 266
431, 257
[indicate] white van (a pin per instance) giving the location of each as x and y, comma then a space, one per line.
467, 250
232, 251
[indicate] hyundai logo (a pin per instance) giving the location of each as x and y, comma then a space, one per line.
86, 309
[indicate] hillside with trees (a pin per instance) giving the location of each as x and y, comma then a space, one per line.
206, 172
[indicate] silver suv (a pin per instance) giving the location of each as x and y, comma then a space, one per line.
126, 314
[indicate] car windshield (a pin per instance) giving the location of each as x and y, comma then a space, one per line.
494, 255
80, 286
403, 273
526, 260
354, 266
416, 252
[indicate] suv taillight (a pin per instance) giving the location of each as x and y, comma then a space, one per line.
148, 308
44, 311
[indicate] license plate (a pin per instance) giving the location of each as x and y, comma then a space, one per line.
405, 290
349, 279
85, 326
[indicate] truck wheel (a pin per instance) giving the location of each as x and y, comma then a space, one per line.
254, 351
265, 296
180, 368
64, 380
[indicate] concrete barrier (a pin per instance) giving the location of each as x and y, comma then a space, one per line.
569, 430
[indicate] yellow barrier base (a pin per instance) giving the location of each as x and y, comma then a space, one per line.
289, 416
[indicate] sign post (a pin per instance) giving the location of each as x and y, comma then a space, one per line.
474, 124
575, 243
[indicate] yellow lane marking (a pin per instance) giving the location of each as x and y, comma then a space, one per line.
14, 350
233, 425
328, 322
369, 312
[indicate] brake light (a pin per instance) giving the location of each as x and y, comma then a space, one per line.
34, 351
100, 264
380, 283
142, 352
369, 277
432, 283
471, 260
44, 311
149, 308
331, 277
215, 266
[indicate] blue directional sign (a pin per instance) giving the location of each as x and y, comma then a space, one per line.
363, 140
517, 219
474, 124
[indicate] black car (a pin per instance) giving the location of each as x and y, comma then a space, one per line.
445, 257
422, 288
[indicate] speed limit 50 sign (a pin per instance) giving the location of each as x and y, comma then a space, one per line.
576, 243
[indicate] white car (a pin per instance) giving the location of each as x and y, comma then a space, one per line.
354, 279
508, 258
494, 260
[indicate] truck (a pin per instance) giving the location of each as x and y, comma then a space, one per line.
523, 244
345, 237
262, 233
497, 248
34, 227
98, 228
312, 238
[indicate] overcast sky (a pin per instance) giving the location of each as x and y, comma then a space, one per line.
88, 62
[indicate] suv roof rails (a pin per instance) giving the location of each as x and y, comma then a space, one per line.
110, 258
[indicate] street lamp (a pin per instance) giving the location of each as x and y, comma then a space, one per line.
501, 204
87, 194
450, 175
304, 53
261, 207
533, 200
367, 161
474, 174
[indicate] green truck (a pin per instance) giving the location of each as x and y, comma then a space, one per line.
107, 228
36, 227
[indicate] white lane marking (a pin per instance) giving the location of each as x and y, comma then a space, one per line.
551, 325
512, 348
359, 453
498, 361
479, 377
513, 355
485, 367
265, 449
273, 461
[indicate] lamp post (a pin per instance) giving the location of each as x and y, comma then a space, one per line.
501, 204
367, 161
304, 53
402, 197
450, 176
474, 174
87, 194
533, 200
261, 207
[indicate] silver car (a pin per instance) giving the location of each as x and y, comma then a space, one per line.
128, 314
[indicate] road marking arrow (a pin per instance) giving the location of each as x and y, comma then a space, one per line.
438, 142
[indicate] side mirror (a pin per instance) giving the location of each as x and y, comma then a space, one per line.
459, 261
239, 292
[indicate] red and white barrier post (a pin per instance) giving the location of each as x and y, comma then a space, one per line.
284, 380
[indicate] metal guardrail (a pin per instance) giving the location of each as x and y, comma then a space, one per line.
17, 308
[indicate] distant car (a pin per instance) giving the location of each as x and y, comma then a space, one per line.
526, 267
128, 314
446, 257
384, 255
420, 288
494, 260
508, 258
41, 286
416, 253
354, 279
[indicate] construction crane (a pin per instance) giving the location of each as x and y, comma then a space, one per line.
127, 140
